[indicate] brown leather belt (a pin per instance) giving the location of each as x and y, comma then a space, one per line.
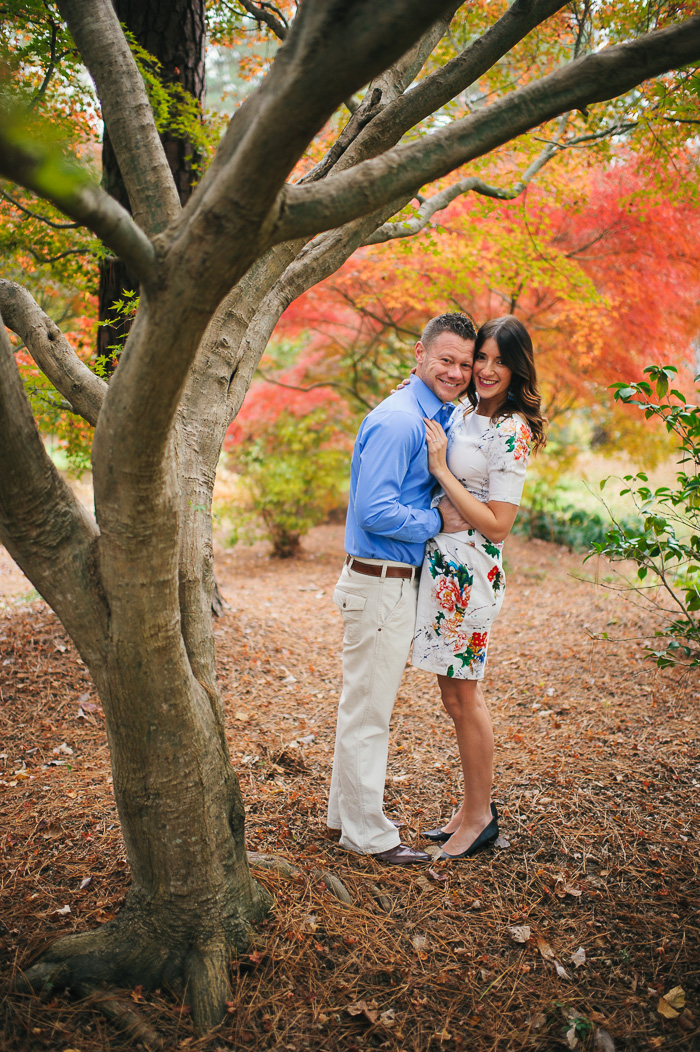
381, 569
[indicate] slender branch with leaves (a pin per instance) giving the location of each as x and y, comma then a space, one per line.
667, 549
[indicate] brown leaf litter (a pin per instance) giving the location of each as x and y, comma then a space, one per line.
580, 930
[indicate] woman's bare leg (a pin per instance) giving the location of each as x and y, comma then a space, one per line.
463, 700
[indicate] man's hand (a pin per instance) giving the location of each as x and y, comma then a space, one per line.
454, 523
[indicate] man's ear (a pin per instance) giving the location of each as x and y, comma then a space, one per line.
420, 352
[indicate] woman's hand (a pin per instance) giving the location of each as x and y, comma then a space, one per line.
437, 446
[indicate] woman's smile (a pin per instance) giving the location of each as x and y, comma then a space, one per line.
491, 377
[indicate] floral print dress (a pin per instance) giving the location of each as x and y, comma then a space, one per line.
462, 581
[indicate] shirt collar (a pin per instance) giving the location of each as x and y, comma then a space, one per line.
429, 402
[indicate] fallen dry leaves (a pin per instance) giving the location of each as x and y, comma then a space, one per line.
595, 875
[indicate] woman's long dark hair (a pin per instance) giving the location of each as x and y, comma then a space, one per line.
516, 352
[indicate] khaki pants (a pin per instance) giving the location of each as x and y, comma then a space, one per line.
378, 621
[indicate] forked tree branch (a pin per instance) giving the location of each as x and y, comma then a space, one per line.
595, 78
126, 111
332, 49
444, 84
42, 524
52, 352
383, 90
239, 331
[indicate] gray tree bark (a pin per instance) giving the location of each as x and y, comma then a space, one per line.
133, 584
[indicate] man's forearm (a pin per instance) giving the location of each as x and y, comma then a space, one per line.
395, 520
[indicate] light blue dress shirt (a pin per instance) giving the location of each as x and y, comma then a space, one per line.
389, 515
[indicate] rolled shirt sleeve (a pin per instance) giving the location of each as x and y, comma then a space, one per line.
381, 481
389, 511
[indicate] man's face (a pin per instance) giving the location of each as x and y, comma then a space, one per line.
445, 366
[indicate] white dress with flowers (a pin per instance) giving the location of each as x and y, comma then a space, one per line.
462, 581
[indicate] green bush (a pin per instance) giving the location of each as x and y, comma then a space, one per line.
666, 546
293, 474
576, 528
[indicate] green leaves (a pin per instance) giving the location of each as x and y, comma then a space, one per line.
174, 109
292, 473
666, 550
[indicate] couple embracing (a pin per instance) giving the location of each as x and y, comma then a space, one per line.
429, 571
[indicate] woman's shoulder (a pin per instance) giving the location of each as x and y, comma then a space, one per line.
514, 437
514, 424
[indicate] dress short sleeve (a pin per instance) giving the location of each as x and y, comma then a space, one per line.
508, 455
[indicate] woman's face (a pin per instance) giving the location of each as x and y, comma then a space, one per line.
491, 376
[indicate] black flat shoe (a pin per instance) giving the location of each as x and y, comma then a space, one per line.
486, 837
439, 836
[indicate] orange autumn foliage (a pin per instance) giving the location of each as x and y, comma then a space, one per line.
603, 267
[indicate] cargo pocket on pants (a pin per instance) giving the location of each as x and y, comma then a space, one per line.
351, 608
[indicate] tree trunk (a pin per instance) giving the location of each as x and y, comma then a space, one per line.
173, 31
192, 901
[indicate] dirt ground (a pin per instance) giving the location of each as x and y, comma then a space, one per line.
581, 930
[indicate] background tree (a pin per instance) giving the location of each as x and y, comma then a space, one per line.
173, 32
133, 584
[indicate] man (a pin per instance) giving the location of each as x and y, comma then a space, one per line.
389, 520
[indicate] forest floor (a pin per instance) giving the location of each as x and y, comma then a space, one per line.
582, 930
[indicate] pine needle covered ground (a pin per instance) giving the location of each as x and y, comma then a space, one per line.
581, 930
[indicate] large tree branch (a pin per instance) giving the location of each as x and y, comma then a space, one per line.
431, 205
126, 111
225, 358
221, 352
595, 78
46, 173
332, 49
443, 85
51, 351
42, 524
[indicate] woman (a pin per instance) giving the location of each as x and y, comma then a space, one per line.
481, 469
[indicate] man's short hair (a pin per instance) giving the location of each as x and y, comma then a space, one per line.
459, 324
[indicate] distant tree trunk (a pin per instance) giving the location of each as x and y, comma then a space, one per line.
173, 31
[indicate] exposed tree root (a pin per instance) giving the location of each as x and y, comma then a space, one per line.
131, 951
335, 886
120, 1011
285, 869
273, 862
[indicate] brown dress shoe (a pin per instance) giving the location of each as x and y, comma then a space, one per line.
401, 855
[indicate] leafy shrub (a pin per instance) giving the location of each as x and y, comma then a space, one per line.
291, 452
666, 548
576, 528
